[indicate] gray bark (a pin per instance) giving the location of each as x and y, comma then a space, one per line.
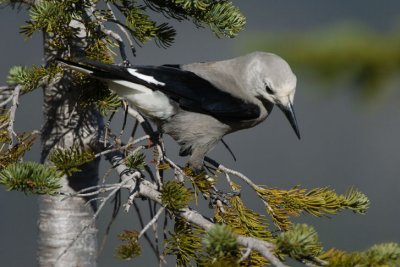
60, 221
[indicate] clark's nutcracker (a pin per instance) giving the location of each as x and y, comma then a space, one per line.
197, 104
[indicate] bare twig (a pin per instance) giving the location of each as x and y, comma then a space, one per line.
179, 173
233, 172
144, 123
123, 30
131, 198
158, 161
228, 179
245, 255
107, 128
6, 88
241, 176
154, 220
101, 188
134, 142
5, 102
139, 214
12, 112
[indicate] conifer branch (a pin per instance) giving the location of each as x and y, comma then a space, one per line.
30, 178
148, 190
13, 110
152, 221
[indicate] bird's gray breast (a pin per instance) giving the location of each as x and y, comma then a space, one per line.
193, 130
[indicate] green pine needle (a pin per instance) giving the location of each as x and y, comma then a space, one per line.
200, 181
136, 161
300, 242
108, 104
175, 196
318, 202
223, 18
49, 16
69, 160
144, 29
356, 201
30, 177
16, 152
221, 246
246, 222
30, 78
384, 255
185, 243
95, 94
131, 248
387, 254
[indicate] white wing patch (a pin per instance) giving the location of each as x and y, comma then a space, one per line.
153, 104
149, 79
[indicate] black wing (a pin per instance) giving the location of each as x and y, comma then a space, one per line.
192, 92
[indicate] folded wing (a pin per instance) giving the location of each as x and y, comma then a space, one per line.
192, 92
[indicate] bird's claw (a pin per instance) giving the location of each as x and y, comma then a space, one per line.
219, 198
126, 63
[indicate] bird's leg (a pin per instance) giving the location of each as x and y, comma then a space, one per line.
155, 140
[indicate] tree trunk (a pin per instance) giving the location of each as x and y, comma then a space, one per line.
62, 219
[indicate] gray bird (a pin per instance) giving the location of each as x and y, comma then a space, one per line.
197, 104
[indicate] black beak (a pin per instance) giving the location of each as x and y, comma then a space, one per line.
291, 116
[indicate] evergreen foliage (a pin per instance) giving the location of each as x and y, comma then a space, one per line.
131, 248
31, 78
221, 247
69, 160
14, 153
244, 221
143, 28
223, 18
319, 202
175, 195
185, 243
387, 254
136, 161
30, 177
201, 182
95, 94
300, 242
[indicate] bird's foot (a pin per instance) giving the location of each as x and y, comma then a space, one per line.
126, 63
154, 140
220, 199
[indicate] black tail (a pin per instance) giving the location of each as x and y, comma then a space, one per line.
96, 69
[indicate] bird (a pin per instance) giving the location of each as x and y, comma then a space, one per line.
198, 104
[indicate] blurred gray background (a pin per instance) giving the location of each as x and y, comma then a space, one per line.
344, 142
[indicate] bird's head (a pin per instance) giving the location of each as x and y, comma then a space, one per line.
273, 81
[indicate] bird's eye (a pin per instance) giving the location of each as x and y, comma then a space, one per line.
269, 90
